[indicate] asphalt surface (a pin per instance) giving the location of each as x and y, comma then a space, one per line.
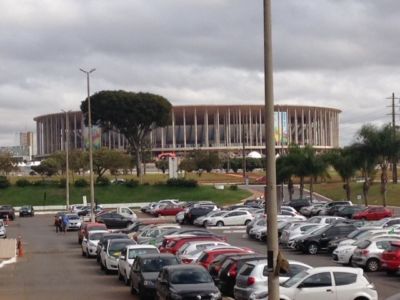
53, 268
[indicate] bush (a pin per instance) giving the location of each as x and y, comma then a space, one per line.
22, 182
38, 183
159, 183
182, 182
81, 182
4, 182
102, 181
132, 183
62, 183
233, 187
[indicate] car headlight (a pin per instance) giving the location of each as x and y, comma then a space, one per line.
215, 296
148, 283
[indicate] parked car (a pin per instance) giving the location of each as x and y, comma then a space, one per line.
325, 209
190, 251
202, 221
186, 282
144, 273
26, 210
373, 213
109, 254
7, 211
256, 227
291, 215
72, 221
324, 219
90, 241
226, 279
390, 259
114, 220
208, 256
319, 241
307, 210
197, 211
86, 227
347, 211
153, 231
329, 283
236, 217
104, 241
174, 243
253, 278
298, 230
3, 230
168, 210
384, 223
294, 240
368, 253
297, 204
128, 256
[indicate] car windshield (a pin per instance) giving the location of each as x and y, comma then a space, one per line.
295, 279
190, 276
135, 252
118, 246
73, 217
261, 223
156, 264
96, 236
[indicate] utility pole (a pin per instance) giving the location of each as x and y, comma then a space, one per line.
92, 208
394, 159
67, 157
270, 187
243, 154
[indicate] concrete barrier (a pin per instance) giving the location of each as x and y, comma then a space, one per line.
8, 248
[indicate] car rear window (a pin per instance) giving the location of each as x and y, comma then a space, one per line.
156, 264
344, 278
246, 270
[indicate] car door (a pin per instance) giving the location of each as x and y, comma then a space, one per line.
229, 218
326, 237
135, 273
315, 287
122, 262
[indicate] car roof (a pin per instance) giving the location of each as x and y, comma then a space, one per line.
156, 255
121, 240
265, 261
140, 246
184, 267
97, 231
336, 269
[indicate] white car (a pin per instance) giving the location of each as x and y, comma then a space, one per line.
191, 251
110, 253
324, 219
328, 283
285, 214
127, 257
368, 234
235, 217
89, 244
154, 231
3, 231
202, 221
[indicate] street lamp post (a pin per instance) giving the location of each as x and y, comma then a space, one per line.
67, 156
92, 218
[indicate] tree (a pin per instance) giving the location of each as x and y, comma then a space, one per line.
284, 173
297, 158
7, 164
162, 165
345, 162
206, 161
188, 165
132, 114
47, 167
78, 161
105, 160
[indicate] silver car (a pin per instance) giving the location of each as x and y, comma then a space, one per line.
253, 277
368, 253
295, 231
3, 231
257, 226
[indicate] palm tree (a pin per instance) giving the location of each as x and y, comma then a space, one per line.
345, 163
297, 160
316, 166
284, 173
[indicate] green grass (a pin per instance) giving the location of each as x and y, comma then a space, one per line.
335, 191
35, 195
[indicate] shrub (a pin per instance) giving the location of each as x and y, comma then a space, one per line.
4, 182
102, 181
132, 183
81, 182
146, 183
62, 183
233, 187
182, 182
38, 183
22, 182
159, 183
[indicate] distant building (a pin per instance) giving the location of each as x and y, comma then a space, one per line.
20, 153
204, 127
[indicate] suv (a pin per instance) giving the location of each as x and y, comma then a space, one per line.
321, 238
297, 204
7, 210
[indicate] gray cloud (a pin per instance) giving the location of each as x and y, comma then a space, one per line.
329, 53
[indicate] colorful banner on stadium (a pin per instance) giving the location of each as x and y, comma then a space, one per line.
96, 137
280, 128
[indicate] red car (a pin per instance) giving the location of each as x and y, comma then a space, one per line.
208, 256
168, 210
390, 259
173, 244
373, 214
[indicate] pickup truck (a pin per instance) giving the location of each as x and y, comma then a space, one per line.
7, 210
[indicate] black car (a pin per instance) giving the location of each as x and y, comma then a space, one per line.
227, 275
297, 204
195, 212
186, 282
104, 239
349, 210
319, 241
114, 220
7, 211
26, 210
145, 270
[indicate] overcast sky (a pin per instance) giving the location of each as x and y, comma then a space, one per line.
336, 53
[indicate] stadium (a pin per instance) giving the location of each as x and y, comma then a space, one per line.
202, 127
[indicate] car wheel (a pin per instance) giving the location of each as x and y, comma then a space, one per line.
120, 277
391, 272
133, 291
312, 249
247, 222
220, 223
205, 224
373, 265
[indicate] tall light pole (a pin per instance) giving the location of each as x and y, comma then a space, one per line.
67, 156
270, 187
90, 136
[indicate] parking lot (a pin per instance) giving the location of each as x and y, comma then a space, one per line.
53, 267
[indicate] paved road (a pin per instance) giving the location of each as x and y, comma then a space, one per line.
53, 267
